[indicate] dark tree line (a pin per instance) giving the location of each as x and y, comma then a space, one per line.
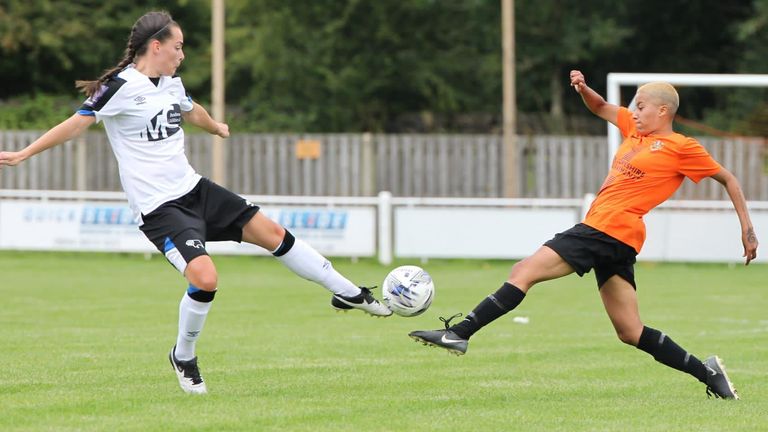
392, 65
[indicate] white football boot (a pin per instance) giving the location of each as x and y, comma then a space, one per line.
188, 374
363, 301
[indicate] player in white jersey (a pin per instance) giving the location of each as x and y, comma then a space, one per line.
141, 103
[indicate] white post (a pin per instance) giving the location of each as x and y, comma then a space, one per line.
385, 227
81, 157
614, 135
217, 90
509, 104
588, 198
617, 79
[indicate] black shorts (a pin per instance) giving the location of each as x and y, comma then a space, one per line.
586, 248
181, 227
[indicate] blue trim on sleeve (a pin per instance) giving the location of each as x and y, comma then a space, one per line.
86, 112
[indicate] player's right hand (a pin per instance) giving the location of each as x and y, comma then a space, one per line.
577, 81
750, 245
10, 158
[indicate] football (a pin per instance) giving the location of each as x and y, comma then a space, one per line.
408, 290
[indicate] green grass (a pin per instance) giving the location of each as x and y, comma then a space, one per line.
85, 338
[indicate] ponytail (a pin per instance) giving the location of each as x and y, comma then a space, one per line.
91, 87
152, 25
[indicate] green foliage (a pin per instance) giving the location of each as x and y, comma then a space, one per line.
357, 65
48, 44
748, 106
554, 37
36, 112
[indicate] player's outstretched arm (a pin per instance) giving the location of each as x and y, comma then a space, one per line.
63, 132
748, 237
200, 118
593, 101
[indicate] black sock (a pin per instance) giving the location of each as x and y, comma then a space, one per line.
495, 305
667, 352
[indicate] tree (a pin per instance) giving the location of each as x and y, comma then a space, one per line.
424, 65
748, 107
337, 65
556, 36
684, 37
48, 44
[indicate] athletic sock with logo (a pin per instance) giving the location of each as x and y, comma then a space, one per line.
193, 310
306, 262
495, 305
665, 351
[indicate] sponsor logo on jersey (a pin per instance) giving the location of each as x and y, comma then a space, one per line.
164, 124
140, 100
657, 145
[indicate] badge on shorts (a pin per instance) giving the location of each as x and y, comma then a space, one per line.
195, 243
657, 145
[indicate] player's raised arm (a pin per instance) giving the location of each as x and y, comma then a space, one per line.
199, 117
592, 99
748, 237
63, 132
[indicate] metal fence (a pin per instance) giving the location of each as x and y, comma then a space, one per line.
437, 165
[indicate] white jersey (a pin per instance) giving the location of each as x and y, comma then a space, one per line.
143, 124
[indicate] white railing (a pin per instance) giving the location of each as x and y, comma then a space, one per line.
385, 226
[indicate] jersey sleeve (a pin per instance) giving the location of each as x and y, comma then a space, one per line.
185, 100
624, 121
186, 103
105, 102
695, 162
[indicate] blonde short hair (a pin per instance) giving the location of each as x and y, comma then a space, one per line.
662, 93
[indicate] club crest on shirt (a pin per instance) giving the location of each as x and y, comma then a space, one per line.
195, 243
657, 145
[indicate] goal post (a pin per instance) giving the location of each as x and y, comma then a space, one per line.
616, 80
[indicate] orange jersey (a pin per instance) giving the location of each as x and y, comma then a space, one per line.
645, 172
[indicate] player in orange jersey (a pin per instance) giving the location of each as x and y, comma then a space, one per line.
647, 169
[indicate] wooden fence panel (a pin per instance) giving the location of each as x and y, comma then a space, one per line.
441, 165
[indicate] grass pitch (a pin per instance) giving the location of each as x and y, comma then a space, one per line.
85, 339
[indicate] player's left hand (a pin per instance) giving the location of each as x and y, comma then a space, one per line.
749, 239
222, 130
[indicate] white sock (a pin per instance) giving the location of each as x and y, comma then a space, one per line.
306, 262
192, 315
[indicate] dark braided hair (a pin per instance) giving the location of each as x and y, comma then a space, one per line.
151, 26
